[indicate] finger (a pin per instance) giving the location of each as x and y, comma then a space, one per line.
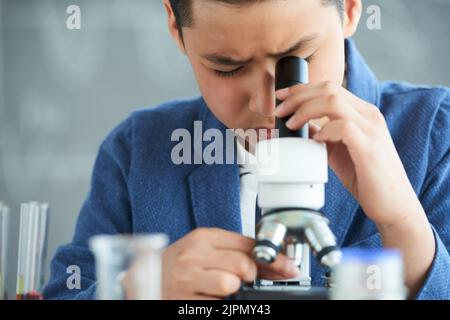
313, 128
281, 268
333, 107
348, 133
295, 96
283, 94
299, 94
216, 283
223, 239
192, 296
201, 297
235, 262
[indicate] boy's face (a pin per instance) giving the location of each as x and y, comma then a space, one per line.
233, 51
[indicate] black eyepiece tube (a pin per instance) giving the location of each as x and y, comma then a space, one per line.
290, 71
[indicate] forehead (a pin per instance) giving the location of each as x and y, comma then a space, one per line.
260, 26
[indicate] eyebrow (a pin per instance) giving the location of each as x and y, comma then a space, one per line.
228, 61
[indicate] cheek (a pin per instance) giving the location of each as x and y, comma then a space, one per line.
226, 98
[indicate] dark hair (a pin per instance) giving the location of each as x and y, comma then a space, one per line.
183, 9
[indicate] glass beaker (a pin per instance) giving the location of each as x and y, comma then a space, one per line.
141, 255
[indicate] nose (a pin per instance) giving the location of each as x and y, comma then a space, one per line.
262, 98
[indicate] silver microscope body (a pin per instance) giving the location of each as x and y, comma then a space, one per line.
292, 171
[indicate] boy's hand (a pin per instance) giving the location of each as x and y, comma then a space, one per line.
212, 264
360, 149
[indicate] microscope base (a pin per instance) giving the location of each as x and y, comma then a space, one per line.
282, 293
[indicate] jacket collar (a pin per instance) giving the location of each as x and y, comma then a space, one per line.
361, 81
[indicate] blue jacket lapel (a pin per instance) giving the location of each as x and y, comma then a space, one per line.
215, 189
215, 197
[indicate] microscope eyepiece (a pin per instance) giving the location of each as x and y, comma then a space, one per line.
290, 71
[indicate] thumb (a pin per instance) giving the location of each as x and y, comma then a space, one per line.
313, 129
281, 268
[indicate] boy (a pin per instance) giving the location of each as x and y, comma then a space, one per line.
388, 145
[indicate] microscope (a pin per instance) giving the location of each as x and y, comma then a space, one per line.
292, 171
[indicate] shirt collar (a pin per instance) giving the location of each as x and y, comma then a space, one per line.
245, 159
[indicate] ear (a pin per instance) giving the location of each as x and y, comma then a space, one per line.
173, 28
352, 15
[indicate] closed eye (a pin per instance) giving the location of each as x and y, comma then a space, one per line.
228, 74
308, 59
232, 73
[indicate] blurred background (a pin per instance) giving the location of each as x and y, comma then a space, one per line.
62, 91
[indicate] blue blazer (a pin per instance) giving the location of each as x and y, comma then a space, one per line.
136, 188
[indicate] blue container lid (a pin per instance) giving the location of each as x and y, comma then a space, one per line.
369, 254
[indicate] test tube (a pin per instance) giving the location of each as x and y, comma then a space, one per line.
4, 221
117, 254
32, 250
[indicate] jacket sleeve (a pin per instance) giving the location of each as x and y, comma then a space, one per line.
435, 198
105, 211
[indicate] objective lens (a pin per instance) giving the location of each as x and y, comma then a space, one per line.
323, 243
268, 241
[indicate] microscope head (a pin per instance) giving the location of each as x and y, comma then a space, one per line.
292, 171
